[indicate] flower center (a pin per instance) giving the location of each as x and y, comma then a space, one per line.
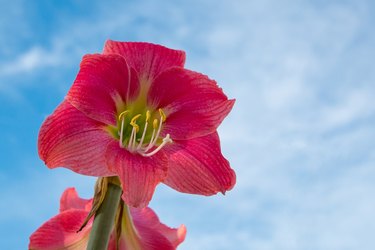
138, 135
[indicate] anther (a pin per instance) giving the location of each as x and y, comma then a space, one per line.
155, 124
121, 117
162, 115
133, 120
122, 114
147, 115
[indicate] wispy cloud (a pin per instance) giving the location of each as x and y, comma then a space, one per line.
299, 135
33, 59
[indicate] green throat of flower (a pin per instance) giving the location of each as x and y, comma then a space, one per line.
140, 132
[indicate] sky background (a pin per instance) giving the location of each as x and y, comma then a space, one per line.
301, 136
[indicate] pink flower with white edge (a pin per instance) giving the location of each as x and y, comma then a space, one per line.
138, 228
135, 112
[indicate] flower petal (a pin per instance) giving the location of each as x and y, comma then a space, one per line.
70, 139
103, 85
148, 59
139, 175
147, 218
194, 104
197, 166
70, 200
60, 232
151, 239
174, 235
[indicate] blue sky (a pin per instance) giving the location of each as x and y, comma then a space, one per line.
301, 136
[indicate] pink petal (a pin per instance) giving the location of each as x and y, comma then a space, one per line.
148, 59
70, 139
70, 200
151, 239
150, 234
139, 175
60, 232
194, 104
103, 85
147, 218
174, 235
197, 166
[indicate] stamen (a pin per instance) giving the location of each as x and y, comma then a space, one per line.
155, 123
155, 126
157, 133
122, 118
121, 133
151, 143
147, 115
131, 140
154, 139
133, 120
143, 135
123, 113
144, 130
162, 115
166, 140
134, 141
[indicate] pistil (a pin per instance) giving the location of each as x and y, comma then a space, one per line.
166, 140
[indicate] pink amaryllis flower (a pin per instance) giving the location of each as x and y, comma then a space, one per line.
136, 112
136, 228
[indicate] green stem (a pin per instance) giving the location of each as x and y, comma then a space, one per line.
104, 219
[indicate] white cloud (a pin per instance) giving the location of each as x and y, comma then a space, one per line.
33, 59
297, 137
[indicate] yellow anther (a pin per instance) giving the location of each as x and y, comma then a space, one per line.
147, 115
133, 120
162, 115
155, 123
123, 114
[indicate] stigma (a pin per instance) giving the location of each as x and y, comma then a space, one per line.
146, 142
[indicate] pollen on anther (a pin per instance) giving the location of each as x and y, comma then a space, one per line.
133, 120
123, 114
155, 123
162, 115
147, 115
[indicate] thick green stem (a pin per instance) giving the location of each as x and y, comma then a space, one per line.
104, 219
